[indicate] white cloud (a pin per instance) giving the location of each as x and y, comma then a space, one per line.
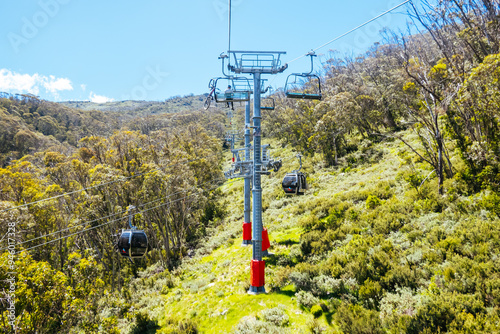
13, 82
54, 84
99, 98
83, 87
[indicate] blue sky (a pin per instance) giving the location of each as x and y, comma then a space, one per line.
152, 50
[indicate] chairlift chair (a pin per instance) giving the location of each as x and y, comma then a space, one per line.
240, 87
304, 85
267, 103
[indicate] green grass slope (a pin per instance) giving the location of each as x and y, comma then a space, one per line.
362, 252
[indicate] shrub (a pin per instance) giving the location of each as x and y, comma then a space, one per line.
276, 316
370, 292
144, 325
443, 310
396, 305
195, 286
168, 283
301, 281
295, 254
175, 326
323, 285
315, 327
372, 202
188, 327
391, 216
310, 222
250, 325
308, 268
307, 240
109, 325
316, 311
306, 299
400, 275
354, 319
491, 202
280, 278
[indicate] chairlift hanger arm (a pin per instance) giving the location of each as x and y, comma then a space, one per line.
130, 215
311, 54
223, 56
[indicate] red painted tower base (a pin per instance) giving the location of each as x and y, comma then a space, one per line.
247, 234
265, 240
257, 277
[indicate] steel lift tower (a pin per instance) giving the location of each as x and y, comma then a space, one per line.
256, 63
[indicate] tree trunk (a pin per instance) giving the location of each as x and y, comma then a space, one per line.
166, 241
439, 141
388, 116
335, 149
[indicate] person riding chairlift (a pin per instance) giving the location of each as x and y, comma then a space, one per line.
229, 96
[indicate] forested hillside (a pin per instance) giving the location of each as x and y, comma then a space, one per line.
29, 124
398, 233
173, 104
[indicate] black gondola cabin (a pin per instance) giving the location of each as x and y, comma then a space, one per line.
294, 183
133, 244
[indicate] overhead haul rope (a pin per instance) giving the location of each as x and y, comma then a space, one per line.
111, 215
107, 223
352, 30
346, 33
105, 183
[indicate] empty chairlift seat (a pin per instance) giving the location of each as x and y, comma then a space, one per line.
304, 85
267, 103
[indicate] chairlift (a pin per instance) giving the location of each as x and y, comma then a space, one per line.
304, 85
232, 89
295, 183
267, 103
132, 243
